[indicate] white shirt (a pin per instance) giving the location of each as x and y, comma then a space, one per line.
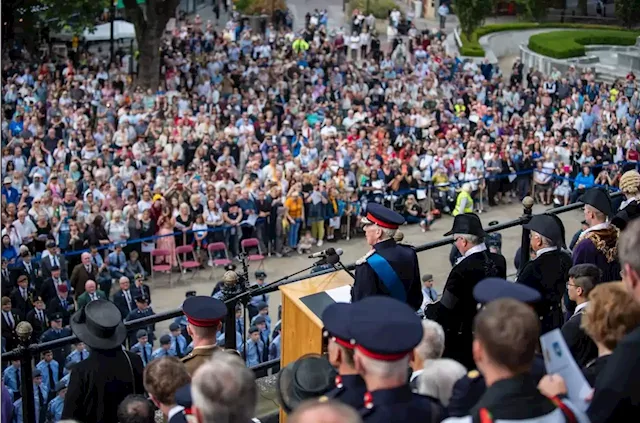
541, 251
475, 249
580, 307
173, 411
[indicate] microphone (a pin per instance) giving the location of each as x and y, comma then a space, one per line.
326, 253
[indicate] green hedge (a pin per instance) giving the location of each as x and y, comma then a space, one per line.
565, 44
471, 47
379, 8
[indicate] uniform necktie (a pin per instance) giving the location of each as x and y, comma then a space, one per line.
178, 348
127, 296
54, 261
117, 260
9, 317
5, 273
40, 316
18, 381
63, 303
81, 355
40, 396
28, 267
144, 353
52, 383
24, 293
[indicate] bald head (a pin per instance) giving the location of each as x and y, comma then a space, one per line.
313, 411
90, 286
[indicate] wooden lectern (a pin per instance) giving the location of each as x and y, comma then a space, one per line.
301, 316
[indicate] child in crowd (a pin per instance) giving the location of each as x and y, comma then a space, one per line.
306, 242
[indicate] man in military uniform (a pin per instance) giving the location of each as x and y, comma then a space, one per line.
142, 310
388, 268
549, 271
204, 319
457, 307
349, 386
56, 331
384, 332
255, 301
505, 340
468, 390
598, 243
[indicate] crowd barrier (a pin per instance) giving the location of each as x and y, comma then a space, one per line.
27, 352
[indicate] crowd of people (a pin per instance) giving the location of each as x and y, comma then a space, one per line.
284, 137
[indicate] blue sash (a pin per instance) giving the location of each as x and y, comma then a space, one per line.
388, 276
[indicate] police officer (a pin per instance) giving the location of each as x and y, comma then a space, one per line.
349, 386
255, 301
204, 319
388, 268
549, 271
56, 331
142, 310
457, 307
384, 333
505, 339
468, 390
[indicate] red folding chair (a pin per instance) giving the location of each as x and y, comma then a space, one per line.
253, 243
185, 264
165, 266
215, 247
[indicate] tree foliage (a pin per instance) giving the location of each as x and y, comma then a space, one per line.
76, 15
628, 11
533, 10
471, 14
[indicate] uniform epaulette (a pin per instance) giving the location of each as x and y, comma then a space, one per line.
187, 357
473, 374
364, 258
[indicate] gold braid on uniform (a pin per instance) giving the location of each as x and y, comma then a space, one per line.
606, 241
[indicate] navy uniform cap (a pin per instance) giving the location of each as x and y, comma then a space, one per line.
259, 319
165, 339
203, 311
548, 226
55, 316
384, 328
378, 214
140, 299
174, 326
260, 274
60, 386
337, 319
36, 373
599, 199
141, 333
253, 329
262, 305
491, 289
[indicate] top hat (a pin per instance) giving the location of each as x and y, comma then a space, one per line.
310, 376
99, 325
467, 224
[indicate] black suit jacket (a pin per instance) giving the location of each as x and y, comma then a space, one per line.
100, 383
48, 290
548, 274
19, 269
617, 388
582, 347
55, 306
38, 326
7, 282
21, 305
457, 308
8, 333
143, 290
121, 302
45, 265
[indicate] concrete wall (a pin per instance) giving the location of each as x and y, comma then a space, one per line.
507, 43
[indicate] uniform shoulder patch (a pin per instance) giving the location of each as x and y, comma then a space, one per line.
473, 374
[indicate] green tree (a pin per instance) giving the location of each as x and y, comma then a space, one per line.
471, 14
533, 10
628, 11
150, 20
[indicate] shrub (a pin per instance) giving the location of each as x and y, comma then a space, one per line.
257, 7
565, 44
472, 45
379, 8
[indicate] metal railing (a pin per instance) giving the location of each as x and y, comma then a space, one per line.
26, 352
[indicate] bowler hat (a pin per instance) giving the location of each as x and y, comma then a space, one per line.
467, 224
99, 325
311, 376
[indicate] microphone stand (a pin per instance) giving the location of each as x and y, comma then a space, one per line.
340, 266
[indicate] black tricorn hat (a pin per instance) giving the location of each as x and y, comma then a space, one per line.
467, 223
311, 376
599, 199
99, 325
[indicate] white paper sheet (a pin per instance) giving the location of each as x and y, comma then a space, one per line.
558, 360
341, 294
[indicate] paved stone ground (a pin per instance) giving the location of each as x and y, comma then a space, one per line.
435, 261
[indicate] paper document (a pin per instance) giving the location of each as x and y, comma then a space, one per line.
341, 294
421, 194
558, 360
251, 220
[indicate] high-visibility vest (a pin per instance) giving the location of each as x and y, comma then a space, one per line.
468, 208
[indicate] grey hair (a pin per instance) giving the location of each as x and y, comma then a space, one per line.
385, 369
438, 377
331, 411
224, 390
545, 241
471, 239
432, 345
629, 244
388, 233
